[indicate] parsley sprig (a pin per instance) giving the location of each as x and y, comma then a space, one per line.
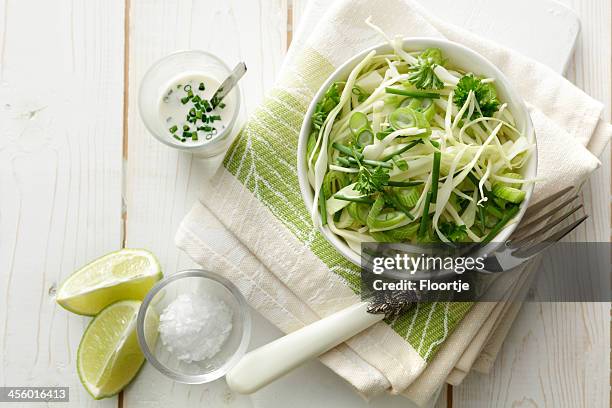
369, 181
325, 105
485, 94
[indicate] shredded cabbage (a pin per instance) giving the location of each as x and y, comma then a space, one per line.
386, 139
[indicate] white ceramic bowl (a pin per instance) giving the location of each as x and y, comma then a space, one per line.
460, 56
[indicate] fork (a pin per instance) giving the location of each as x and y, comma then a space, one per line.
533, 234
261, 366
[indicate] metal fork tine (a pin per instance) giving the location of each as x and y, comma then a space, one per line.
549, 225
542, 245
534, 208
524, 229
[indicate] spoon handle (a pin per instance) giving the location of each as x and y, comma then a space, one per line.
261, 366
228, 84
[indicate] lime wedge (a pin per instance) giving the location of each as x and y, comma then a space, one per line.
121, 275
109, 356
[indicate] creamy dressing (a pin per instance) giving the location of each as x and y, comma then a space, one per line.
208, 122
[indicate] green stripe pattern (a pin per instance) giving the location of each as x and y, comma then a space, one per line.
263, 158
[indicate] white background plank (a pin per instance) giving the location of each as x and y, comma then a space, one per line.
61, 89
557, 355
163, 183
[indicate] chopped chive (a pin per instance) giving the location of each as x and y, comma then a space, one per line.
185, 128
501, 224
344, 161
494, 211
176, 137
414, 94
173, 129
194, 136
375, 163
346, 150
198, 114
402, 150
215, 117
481, 215
201, 87
187, 134
404, 183
192, 112
190, 93
425, 217
322, 209
222, 105
187, 88
435, 175
183, 140
185, 99
196, 99
354, 199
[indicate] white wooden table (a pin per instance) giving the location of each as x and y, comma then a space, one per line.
79, 177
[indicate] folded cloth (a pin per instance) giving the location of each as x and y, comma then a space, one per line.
282, 263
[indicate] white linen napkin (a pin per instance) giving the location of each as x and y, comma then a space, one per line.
240, 230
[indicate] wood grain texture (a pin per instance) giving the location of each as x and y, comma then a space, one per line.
60, 177
163, 183
557, 354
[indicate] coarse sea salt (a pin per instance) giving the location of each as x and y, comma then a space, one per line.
194, 326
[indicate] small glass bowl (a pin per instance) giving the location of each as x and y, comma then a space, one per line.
194, 281
155, 83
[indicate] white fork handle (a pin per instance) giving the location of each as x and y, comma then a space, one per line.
261, 366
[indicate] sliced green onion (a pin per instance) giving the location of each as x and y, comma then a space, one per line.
173, 129
514, 195
358, 122
365, 137
202, 87
413, 94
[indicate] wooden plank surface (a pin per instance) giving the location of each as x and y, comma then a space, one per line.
61, 94
61, 88
557, 354
162, 183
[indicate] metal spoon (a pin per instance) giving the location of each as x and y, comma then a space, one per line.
228, 84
